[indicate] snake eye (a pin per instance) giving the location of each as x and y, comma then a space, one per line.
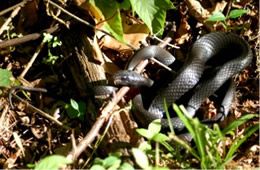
124, 78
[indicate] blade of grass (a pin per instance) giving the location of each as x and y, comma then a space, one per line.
187, 122
248, 132
222, 166
237, 123
185, 145
199, 138
184, 120
168, 116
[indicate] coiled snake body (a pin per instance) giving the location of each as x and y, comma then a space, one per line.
232, 52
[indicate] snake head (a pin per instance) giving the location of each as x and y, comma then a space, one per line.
131, 78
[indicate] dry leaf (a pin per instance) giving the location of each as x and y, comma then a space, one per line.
90, 9
10, 162
183, 32
28, 16
18, 142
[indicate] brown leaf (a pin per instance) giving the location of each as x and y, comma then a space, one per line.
183, 32
28, 16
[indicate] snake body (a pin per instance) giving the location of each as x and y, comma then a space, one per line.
234, 54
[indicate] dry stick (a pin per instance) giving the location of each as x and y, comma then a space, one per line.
28, 66
42, 113
13, 14
13, 7
26, 38
199, 13
105, 114
162, 41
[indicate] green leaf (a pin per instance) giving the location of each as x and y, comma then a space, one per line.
160, 137
53, 162
72, 113
30, 166
145, 146
56, 42
97, 167
218, 16
110, 9
98, 161
145, 133
152, 12
125, 4
140, 158
5, 76
76, 110
162, 168
155, 126
127, 166
237, 13
82, 110
47, 37
111, 162
74, 104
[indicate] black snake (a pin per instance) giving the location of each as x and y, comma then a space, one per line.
234, 55
227, 51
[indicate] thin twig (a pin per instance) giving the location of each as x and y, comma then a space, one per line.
42, 113
163, 65
162, 41
26, 38
30, 63
13, 7
13, 14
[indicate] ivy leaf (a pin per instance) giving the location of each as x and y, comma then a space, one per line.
152, 12
218, 16
237, 13
110, 9
5, 76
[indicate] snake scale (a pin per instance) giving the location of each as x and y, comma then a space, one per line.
229, 50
